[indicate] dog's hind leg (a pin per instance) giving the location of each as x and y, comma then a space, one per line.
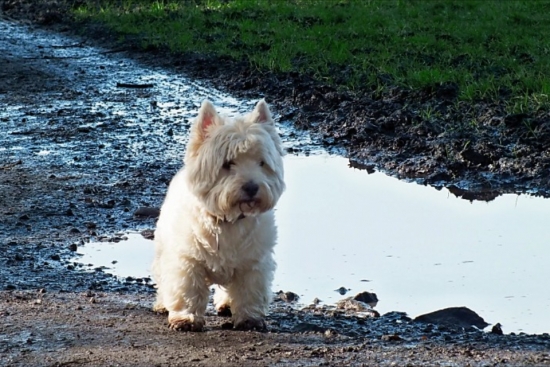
222, 302
158, 306
184, 295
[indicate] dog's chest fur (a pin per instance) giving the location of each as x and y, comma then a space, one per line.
235, 246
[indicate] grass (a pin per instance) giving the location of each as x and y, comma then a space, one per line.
491, 49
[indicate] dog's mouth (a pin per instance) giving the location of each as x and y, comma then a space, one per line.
247, 206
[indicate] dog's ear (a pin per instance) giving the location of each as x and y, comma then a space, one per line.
261, 113
207, 118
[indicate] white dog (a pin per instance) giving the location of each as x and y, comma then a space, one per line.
216, 225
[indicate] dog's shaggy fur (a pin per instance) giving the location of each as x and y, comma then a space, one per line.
216, 225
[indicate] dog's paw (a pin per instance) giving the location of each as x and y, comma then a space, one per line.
251, 324
224, 311
159, 308
185, 324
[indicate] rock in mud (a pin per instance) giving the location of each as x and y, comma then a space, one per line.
288, 297
497, 329
342, 290
391, 338
148, 234
367, 297
147, 212
453, 316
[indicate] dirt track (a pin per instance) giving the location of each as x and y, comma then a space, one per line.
100, 329
55, 314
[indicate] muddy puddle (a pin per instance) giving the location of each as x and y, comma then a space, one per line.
417, 248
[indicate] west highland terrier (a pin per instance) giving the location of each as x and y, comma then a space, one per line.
217, 226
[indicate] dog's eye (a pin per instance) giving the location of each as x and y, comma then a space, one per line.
228, 164
262, 163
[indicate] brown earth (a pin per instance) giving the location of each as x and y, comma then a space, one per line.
100, 329
56, 314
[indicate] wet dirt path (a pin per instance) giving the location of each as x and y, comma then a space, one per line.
85, 141
88, 136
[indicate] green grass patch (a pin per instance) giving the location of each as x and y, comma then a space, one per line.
489, 48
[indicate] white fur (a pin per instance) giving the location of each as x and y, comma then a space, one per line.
202, 237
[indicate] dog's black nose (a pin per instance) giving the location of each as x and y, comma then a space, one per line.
250, 188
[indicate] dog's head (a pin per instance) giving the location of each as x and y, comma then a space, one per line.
235, 166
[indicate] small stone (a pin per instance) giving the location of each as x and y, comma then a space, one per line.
342, 290
148, 234
147, 212
73, 247
391, 338
55, 257
497, 329
288, 297
369, 298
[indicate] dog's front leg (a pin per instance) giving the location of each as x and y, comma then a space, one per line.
185, 295
250, 294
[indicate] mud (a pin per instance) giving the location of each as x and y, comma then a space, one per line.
82, 158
